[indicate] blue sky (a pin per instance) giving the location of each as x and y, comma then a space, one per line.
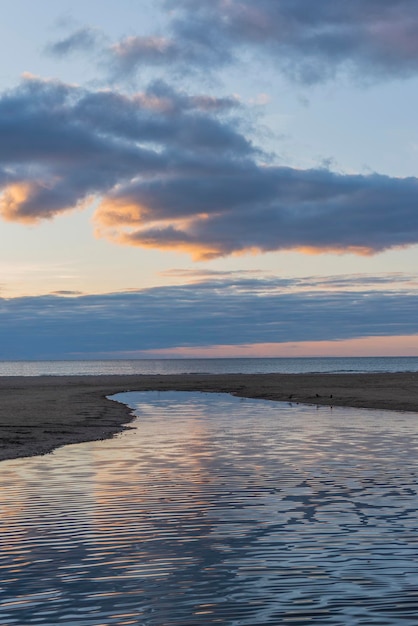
236, 177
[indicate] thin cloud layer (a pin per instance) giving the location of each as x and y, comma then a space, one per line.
173, 171
212, 312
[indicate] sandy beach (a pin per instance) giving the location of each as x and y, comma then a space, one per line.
39, 414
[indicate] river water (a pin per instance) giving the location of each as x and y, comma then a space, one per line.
217, 510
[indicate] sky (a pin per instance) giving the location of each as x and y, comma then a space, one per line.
203, 178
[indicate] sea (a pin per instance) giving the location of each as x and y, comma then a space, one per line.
334, 365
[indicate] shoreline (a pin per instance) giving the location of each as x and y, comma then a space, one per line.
40, 414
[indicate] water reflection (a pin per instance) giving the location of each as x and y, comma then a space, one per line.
215, 510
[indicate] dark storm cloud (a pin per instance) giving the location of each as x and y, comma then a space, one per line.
176, 171
309, 40
209, 313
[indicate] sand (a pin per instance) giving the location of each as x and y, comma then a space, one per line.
39, 414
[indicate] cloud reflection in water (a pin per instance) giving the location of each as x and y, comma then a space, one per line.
217, 510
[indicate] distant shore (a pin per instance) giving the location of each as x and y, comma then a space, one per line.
39, 414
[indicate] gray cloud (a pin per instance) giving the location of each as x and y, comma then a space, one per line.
81, 40
63, 145
232, 312
188, 54
176, 171
310, 41
246, 207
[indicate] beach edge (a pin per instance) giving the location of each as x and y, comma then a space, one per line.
40, 414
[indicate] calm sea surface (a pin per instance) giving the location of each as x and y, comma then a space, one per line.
212, 366
217, 510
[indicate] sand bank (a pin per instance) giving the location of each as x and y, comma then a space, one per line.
39, 414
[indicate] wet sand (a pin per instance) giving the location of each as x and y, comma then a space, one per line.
39, 414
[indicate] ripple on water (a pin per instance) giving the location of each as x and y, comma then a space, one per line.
215, 510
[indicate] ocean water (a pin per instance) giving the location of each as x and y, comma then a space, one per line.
217, 510
210, 366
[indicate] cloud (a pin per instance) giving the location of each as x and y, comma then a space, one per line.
174, 171
63, 145
191, 275
66, 292
309, 41
81, 40
185, 54
243, 207
185, 47
135, 52
230, 312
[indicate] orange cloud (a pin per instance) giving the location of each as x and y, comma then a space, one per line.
130, 223
13, 198
22, 202
113, 213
